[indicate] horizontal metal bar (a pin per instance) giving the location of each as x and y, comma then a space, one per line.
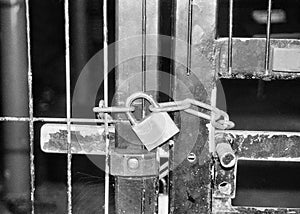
56, 119
265, 145
249, 57
14, 119
115, 109
74, 120
86, 139
254, 133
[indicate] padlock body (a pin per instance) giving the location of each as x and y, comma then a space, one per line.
155, 129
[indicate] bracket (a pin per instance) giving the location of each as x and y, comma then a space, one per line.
134, 163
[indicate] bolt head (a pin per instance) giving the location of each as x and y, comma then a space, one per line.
133, 163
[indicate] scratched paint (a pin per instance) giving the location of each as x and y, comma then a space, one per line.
191, 183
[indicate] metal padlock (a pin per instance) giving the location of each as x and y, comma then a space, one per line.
156, 128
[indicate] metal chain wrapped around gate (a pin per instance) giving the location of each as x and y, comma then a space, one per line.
221, 117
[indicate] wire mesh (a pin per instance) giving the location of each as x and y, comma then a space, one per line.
31, 119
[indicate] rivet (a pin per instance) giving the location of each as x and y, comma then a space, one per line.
133, 163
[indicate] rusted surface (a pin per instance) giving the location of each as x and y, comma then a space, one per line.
255, 145
223, 175
268, 211
131, 202
266, 145
191, 191
85, 139
137, 195
248, 58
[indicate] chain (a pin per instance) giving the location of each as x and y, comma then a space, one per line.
221, 118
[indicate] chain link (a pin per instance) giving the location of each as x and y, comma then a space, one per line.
186, 105
221, 117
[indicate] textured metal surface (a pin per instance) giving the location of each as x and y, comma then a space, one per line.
138, 195
191, 191
253, 145
131, 201
68, 103
128, 163
248, 58
85, 139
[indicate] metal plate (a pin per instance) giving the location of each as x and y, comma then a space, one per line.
85, 139
286, 59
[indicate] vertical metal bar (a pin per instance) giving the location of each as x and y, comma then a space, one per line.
200, 169
267, 50
211, 136
13, 79
144, 52
68, 103
144, 79
30, 104
78, 38
189, 38
129, 23
230, 37
105, 73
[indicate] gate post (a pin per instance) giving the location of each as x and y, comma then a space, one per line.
134, 195
194, 76
14, 98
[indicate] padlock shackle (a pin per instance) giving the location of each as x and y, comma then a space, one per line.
133, 97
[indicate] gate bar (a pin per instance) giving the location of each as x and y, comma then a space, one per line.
105, 74
144, 80
57, 119
30, 105
68, 103
144, 52
189, 37
13, 86
268, 40
230, 37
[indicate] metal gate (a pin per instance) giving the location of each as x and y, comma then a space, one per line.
200, 166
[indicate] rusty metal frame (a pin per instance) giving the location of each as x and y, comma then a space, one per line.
252, 145
250, 58
136, 52
185, 198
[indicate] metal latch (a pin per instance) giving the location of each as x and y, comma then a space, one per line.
133, 163
85, 139
89, 140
